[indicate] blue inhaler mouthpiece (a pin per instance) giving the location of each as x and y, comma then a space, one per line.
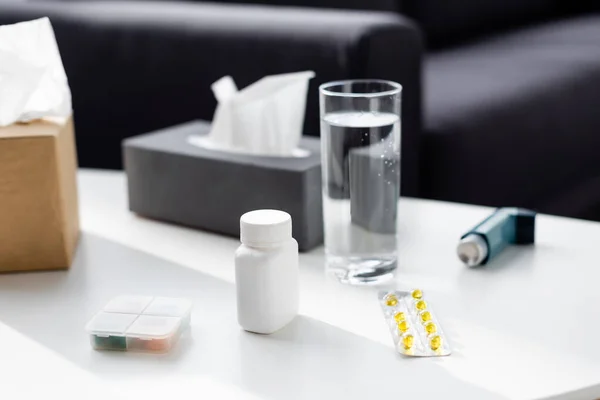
504, 227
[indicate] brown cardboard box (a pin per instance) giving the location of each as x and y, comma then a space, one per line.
39, 221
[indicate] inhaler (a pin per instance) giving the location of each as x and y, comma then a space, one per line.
504, 227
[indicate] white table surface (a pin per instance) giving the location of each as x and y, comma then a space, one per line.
524, 327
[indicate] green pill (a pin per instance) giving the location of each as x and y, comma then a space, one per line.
110, 342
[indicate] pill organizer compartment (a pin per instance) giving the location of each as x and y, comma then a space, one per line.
107, 330
140, 323
171, 307
152, 333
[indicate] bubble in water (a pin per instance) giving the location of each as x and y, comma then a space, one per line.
381, 156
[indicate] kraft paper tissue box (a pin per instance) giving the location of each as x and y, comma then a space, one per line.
172, 180
39, 223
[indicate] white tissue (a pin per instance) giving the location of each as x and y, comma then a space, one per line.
265, 118
33, 83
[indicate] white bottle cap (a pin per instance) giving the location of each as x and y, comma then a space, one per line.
261, 228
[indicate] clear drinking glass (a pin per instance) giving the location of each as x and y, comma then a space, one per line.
360, 143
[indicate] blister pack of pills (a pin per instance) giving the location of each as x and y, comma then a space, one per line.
415, 329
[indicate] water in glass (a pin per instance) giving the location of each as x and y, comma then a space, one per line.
361, 186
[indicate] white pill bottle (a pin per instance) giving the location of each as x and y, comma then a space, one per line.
266, 271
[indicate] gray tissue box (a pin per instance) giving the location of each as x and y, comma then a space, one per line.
172, 180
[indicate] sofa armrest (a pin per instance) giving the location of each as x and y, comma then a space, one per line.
135, 67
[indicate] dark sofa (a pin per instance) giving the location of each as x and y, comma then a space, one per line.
134, 67
499, 110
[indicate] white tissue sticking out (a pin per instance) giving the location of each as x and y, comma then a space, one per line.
33, 83
265, 118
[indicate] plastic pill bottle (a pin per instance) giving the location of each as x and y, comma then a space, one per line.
266, 271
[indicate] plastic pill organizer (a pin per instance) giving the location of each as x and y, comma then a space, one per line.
414, 327
141, 323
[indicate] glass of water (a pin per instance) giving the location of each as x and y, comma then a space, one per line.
360, 144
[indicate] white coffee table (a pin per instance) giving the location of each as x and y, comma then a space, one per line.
525, 327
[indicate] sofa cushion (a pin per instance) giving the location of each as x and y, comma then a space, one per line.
376, 5
515, 120
446, 21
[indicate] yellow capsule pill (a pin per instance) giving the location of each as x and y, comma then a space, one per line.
403, 326
436, 342
399, 316
417, 294
391, 300
408, 341
421, 305
425, 316
430, 328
